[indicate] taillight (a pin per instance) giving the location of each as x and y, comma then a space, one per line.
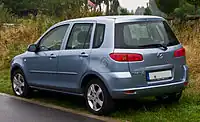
179, 53
126, 57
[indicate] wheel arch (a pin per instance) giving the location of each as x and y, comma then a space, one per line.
92, 75
14, 68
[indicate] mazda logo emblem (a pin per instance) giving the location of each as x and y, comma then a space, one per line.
160, 55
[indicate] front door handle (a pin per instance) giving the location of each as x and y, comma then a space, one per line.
52, 56
83, 54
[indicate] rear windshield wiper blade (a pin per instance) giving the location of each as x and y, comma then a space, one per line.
163, 47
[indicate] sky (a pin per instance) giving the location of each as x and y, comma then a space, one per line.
133, 4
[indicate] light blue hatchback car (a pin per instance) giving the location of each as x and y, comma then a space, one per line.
103, 59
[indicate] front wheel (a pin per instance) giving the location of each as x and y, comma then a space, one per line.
98, 99
19, 84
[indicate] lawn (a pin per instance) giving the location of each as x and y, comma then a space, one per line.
143, 110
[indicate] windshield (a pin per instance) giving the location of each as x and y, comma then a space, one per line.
142, 34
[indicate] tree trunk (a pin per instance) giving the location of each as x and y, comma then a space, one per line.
196, 8
107, 7
100, 7
116, 6
86, 5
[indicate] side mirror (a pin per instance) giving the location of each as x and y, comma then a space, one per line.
32, 48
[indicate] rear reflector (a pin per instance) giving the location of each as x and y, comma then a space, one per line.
179, 53
126, 57
130, 92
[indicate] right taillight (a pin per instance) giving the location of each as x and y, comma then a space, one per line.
126, 57
179, 53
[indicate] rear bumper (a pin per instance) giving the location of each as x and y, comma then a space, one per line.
121, 85
149, 91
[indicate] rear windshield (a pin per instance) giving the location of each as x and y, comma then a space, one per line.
142, 34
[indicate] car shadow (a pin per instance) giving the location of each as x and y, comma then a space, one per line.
78, 103
61, 99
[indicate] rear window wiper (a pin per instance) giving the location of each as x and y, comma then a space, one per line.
161, 46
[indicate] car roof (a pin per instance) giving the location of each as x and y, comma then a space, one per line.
116, 19
119, 17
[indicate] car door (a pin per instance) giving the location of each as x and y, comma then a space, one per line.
74, 59
42, 65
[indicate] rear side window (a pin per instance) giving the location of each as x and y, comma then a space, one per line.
99, 35
140, 34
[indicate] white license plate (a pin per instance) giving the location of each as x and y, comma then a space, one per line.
160, 75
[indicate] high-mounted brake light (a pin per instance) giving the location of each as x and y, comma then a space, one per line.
126, 57
180, 52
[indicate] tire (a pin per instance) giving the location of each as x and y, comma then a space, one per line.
20, 86
174, 97
103, 107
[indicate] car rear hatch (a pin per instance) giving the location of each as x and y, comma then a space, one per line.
153, 52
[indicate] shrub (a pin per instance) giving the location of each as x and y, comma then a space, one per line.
15, 39
5, 15
188, 35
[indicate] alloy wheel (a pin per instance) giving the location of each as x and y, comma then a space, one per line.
18, 84
95, 97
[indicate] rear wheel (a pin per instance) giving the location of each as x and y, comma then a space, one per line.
19, 84
97, 98
174, 97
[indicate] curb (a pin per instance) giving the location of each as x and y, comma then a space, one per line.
106, 119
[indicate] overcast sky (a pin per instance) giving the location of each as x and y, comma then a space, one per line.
133, 4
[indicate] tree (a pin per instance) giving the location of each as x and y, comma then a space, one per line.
196, 3
147, 11
167, 6
86, 4
124, 11
107, 2
59, 8
114, 7
5, 15
98, 3
184, 10
17, 6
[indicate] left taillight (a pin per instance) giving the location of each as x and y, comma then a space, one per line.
126, 57
180, 52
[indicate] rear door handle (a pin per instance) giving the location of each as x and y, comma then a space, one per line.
83, 54
52, 56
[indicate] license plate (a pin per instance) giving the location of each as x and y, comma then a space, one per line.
160, 75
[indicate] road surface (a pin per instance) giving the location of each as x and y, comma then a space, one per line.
14, 110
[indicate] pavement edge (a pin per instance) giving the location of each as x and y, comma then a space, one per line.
102, 118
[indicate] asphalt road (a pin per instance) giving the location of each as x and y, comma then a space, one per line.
14, 110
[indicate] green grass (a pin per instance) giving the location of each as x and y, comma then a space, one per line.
152, 111
144, 110
5, 83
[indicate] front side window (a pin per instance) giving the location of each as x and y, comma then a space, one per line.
53, 39
142, 34
80, 36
